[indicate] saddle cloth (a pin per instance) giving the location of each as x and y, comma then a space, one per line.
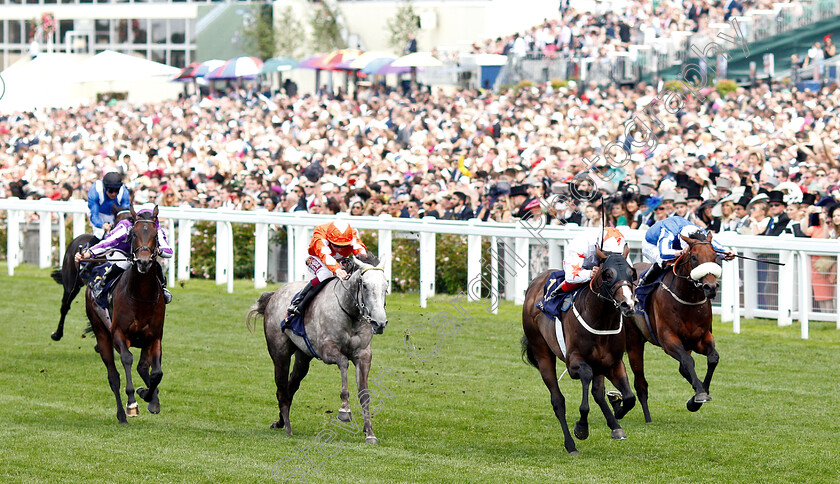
643, 295
554, 305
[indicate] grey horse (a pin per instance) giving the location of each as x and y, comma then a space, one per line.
340, 323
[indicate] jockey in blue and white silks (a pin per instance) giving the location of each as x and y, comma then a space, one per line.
663, 242
103, 195
118, 240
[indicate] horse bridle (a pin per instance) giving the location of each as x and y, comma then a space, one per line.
361, 307
609, 292
697, 284
134, 251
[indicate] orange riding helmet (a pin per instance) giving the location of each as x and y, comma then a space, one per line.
340, 233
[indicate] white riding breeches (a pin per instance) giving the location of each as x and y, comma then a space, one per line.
318, 269
651, 252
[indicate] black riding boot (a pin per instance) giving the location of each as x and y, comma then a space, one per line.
299, 303
655, 271
167, 296
100, 283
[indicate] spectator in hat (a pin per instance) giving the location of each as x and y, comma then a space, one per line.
668, 198
724, 211
704, 215
824, 268
724, 187
680, 205
778, 218
430, 207
528, 207
741, 214
758, 220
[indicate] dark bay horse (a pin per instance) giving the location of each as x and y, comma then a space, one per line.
681, 319
594, 338
68, 275
340, 323
138, 310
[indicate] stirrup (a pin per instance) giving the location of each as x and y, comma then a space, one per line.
167, 296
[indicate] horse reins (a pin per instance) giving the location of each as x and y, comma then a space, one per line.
611, 299
361, 307
696, 284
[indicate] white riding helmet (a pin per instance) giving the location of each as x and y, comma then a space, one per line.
687, 232
614, 241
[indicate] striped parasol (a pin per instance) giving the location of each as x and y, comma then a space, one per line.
330, 62
207, 67
187, 74
236, 68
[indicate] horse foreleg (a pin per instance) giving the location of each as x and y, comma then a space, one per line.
598, 393
705, 347
127, 360
580, 369
362, 364
107, 355
674, 348
636, 357
143, 370
547, 365
618, 377
155, 376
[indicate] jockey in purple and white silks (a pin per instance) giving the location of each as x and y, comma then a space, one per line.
118, 240
664, 242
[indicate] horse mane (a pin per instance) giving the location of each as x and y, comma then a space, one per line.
368, 258
145, 216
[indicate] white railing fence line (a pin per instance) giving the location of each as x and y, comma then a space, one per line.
748, 291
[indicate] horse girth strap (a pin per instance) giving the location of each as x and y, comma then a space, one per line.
599, 332
681, 301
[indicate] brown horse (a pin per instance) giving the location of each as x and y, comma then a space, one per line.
138, 310
681, 320
68, 275
595, 343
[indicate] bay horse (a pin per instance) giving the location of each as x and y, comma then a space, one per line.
138, 310
68, 275
340, 324
681, 320
593, 332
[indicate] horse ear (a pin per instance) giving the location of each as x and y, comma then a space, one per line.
133, 213
362, 265
155, 212
626, 251
709, 237
601, 255
686, 239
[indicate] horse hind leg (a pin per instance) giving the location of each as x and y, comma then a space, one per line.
599, 396
282, 359
547, 365
299, 372
66, 302
580, 369
636, 357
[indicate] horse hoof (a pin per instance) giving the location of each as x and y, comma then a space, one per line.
371, 440
345, 415
153, 408
132, 410
96, 347
56, 337
618, 434
574, 452
276, 425
614, 397
581, 432
702, 397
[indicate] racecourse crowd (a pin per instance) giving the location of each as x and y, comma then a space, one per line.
613, 26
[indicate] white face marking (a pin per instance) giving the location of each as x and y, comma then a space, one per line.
626, 294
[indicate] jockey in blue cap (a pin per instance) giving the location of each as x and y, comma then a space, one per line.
665, 241
102, 196
118, 240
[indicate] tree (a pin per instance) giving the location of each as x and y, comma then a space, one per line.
259, 33
326, 34
404, 23
290, 34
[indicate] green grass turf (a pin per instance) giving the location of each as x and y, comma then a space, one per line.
473, 413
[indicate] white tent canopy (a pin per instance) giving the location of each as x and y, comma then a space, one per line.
65, 80
113, 66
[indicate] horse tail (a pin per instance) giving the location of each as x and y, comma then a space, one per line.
56, 275
527, 352
258, 309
